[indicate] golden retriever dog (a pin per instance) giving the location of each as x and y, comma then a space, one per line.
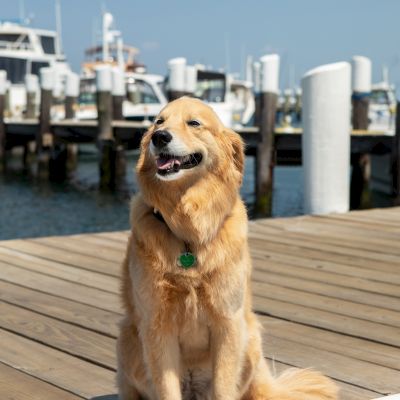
189, 331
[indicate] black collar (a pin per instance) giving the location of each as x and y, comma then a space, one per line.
158, 215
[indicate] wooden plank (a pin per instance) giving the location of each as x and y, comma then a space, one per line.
63, 256
333, 284
361, 349
312, 224
75, 245
285, 256
325, 303
58, 287
101, 241
66, 272
314, 251
346, 238
352, 220
87, 345
60, 308
16, 385
55, 367
327, 320
381, 261
287, 276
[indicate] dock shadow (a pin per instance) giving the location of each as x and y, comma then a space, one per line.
106, 397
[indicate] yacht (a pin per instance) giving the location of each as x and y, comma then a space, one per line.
25, 50
144, 92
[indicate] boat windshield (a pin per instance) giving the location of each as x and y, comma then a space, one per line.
147, 94
15, 68
210, 86
379, 97
12, 41
48, 44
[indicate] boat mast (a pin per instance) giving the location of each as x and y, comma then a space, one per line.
58, 26
22, 11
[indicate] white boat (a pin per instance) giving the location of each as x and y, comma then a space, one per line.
25, 50
144, 92
144, 99
382, 107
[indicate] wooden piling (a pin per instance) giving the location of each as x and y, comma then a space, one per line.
71, 95
118, 93
265, 153
396, 160
32, 89
47, 81
105, 137
3, 89
361, 164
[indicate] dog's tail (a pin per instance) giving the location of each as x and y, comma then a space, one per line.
294, 384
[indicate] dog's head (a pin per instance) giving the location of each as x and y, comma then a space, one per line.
186, 142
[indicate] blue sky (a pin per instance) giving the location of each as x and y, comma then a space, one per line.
305, 33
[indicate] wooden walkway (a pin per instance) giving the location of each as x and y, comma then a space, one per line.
327, 290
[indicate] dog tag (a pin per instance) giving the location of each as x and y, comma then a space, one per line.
186, 260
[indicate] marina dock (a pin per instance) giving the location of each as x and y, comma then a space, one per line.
326, 289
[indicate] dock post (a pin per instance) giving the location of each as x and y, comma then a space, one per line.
257, 91
265, 158
118, 96
32, 89
105, 136
118, 93
3, 88
177, 75
190, 80
396, 160
361, 163
71, 95
47, 82
326, 138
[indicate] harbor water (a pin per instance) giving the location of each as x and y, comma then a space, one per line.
30, 207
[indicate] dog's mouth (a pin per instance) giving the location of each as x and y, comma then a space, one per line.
170, 164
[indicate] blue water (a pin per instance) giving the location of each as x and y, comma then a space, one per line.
30, 207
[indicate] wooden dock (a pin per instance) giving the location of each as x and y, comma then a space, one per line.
327, 290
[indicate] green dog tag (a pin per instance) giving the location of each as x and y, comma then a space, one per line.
186, 260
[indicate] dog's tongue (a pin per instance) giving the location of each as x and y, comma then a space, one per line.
167, 163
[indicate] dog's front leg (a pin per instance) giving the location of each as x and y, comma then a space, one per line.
227, 350
163, 359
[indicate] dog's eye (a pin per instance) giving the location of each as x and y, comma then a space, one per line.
159, 121
193, 122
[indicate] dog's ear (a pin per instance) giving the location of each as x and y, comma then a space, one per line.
238, 149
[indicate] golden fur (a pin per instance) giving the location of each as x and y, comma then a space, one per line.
191, 334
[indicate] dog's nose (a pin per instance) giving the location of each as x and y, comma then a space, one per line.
161, 138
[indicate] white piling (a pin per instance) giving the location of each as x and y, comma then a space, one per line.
72, 85
103, 78
190, 79
3, 82
118, 82
177, 74
47, 78
326, 138
31, 83
361, 74
257, 77
270, 73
